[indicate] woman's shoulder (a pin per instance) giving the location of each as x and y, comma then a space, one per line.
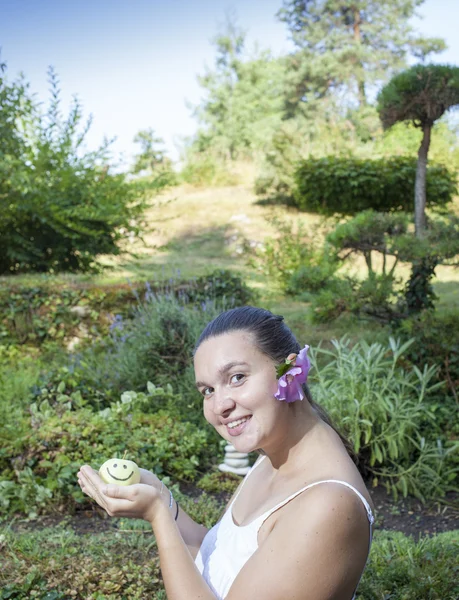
319, 543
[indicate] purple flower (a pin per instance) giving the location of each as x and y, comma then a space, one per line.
290, 384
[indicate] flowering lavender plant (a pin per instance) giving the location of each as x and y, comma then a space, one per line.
291, 375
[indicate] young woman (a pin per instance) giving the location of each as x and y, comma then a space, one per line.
300, 524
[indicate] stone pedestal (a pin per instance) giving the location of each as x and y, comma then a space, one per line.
234, 461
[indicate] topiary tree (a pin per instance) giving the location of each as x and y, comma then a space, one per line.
421, 94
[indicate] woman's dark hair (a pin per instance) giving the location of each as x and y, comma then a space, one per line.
272, 337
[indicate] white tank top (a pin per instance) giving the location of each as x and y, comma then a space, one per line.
227, 546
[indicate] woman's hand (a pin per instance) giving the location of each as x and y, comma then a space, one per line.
138, 501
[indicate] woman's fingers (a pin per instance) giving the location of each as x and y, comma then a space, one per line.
92, 484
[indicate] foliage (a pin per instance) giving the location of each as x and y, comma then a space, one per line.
292, 254
420, 94
218, 482
152, 156
18, 373
419, 293
368, 232
437, 343
155, 344
387, 234
402, 569
44, 313
346, 186
39, 468
61, 205
242, 104
346, 48
221, 285
312, 277
384, 411
58, 563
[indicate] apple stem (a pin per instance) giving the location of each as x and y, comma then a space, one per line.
124, 455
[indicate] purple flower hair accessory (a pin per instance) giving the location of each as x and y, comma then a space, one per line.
291, 375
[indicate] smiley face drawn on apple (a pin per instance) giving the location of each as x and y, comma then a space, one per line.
119, 472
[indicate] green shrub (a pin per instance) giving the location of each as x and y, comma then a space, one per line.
332, 301
155, 345
61, 205
400, 568
290, 254
437, 343
218, 482
38, 470
337, 185
384, 411
221, 285
312, 277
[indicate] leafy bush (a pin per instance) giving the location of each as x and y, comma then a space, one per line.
312, 277
292, 254
156, 344
384, 410
18, 374
337, 185
437, 343
220, 285
38, 469
218, 482
387, 234
400, 568
61, 205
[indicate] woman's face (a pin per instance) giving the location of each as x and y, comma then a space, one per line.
238, 384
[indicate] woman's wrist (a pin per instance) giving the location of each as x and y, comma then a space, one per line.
172, 503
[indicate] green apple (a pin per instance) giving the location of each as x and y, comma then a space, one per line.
119, 472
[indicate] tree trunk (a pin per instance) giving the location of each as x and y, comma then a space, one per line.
358, 40
420, 184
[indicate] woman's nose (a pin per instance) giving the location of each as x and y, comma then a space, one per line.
222, 402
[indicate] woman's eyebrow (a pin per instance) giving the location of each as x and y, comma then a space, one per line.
224, 370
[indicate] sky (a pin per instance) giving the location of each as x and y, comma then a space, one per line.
134, 64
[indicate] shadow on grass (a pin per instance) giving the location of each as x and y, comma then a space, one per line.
195, 252
277, 200
210, 241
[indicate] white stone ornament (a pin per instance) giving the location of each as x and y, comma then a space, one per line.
234, 461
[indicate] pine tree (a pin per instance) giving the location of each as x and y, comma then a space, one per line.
421, 94
349, 45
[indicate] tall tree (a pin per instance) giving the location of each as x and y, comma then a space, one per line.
243, 98
152, 153
421, 94
351, 44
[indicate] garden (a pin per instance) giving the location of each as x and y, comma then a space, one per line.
107, 279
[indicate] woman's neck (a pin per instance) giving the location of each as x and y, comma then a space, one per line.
295, 440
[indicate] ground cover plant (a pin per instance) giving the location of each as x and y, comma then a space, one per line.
58, 563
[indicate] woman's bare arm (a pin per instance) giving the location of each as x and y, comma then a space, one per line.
192, 533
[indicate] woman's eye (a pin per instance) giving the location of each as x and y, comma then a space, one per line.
237, 377
206, 391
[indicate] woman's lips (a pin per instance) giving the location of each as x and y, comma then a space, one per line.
235, 431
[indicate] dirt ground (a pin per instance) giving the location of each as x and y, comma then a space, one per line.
407, 515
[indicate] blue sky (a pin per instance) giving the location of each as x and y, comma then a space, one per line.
134, 63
